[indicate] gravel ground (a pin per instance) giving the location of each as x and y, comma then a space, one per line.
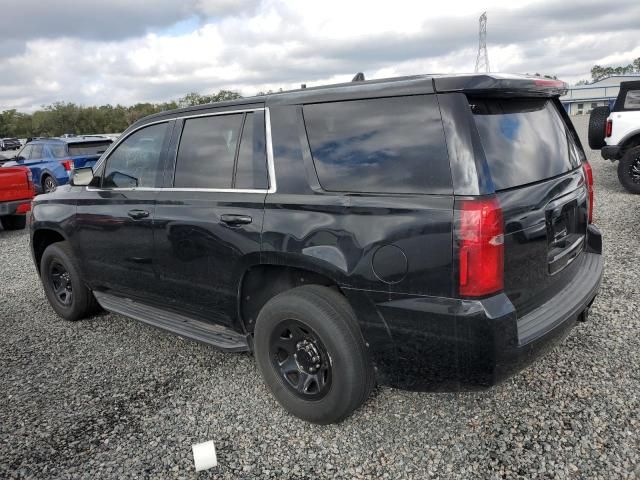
112, 398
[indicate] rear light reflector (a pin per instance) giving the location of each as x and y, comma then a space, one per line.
609, 128
30, 184
67, 164
588, 173
480, 238
23, 208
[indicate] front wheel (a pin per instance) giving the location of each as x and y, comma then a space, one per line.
629, 170
310, 351
63, 284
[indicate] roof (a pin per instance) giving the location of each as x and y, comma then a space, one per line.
76, 139
409, 85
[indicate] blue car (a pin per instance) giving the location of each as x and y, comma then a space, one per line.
52, 160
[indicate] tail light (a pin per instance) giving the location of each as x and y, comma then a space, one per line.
67, 164
30, 184
23, 208
588, 173
480, 238
609, 128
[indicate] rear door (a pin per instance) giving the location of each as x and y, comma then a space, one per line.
114, 219
534, 163
208, 221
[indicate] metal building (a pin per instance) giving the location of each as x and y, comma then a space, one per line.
581, 99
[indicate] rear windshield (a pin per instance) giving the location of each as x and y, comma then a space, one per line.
525, 140
88, 148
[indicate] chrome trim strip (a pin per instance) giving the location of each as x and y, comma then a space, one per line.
270, 164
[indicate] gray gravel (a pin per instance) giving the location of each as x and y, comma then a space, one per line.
112, 398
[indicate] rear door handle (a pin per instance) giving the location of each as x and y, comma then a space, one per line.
232, 220
138, 214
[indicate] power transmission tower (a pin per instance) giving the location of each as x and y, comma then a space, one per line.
482, 61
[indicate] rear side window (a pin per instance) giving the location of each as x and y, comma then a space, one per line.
386, 145
58, 150
88, 148
207, 152
251, 169
632, 100
525, 140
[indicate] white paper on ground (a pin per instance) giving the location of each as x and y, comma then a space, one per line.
204, 455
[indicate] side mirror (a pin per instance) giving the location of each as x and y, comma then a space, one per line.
82, 177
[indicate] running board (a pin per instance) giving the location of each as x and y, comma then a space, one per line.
216, 335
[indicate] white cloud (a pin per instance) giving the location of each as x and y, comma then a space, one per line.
132, 54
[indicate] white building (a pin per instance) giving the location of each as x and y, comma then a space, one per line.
581, 99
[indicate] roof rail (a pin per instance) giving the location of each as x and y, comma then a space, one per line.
359, 77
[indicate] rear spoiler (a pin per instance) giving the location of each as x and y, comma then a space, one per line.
501, 84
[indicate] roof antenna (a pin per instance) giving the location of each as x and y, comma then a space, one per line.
359, 77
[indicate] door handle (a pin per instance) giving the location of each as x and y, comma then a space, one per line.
233, 220
138, 214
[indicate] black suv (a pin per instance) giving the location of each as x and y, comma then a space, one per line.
427, 232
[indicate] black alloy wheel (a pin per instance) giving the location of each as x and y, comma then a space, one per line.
49, 184
629, 170
634, 170
301, 359
60, 280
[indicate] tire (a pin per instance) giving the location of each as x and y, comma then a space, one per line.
49, 184
597, 127
629, 170
81, 303
14, 222
333, 332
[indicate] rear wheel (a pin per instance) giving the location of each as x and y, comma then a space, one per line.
49, 184
597, 127
311, 354
629, 170
14, 222
63, 284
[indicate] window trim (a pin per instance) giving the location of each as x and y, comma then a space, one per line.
271, 175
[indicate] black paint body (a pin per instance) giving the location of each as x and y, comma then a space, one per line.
392, 255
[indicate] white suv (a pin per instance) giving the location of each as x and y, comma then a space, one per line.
616, 134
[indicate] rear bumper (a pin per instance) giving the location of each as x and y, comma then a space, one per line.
444, 344
611, 152
15, 207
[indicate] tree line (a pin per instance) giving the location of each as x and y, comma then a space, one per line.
598, 72
62, 117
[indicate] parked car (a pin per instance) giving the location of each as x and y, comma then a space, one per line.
16, 192
9, 144
52, 160
427, 232
616, 134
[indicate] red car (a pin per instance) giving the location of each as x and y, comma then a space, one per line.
16, 192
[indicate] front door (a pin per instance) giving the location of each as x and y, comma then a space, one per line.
115, 217
208, 222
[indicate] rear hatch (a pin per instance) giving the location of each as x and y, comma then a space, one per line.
15, 184
535, 164
86, 154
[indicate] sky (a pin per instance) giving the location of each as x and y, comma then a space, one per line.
96, 52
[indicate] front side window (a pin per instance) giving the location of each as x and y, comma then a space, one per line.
37, 152
136, 162
25, 153
386, 145
207, 152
